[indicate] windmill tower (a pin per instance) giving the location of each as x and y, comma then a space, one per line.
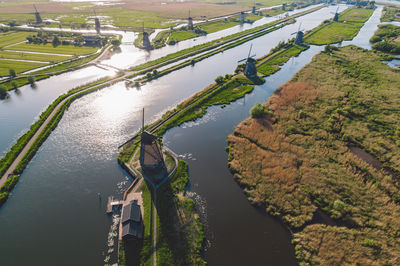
336, 17
96, 22
253, 9
242, 17
250, 70
151, 158
283, 6
190, 22
299, 36
146, 41
37, 15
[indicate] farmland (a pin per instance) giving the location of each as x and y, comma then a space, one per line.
18, 66
49, 48
324, 158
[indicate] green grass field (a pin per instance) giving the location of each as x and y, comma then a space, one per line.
349, 23
12, 37
34, 57
218, 25
19, 67
181, 35
61, 49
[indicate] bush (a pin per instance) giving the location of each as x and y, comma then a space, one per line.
338, 205
31, 80
116, 42
12, 73
219, 79
258, 111
3, 92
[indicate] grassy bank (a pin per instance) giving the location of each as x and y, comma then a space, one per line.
346, 28
276, 60
386, 39
179, 230
325, 159
390, 13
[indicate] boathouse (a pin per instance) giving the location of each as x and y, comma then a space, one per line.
132, 223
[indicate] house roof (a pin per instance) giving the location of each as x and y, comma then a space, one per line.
131, 212
132, 229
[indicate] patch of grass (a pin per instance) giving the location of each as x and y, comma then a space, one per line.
218, 25
33, 57
349, 23
387, 39
18, 66
273, 63
390, 13
299, 161
181, 35
12, 37
179, 231
60, 49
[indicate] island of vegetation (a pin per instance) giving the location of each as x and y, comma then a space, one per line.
346, 27
390, 13
323, 155
386, 39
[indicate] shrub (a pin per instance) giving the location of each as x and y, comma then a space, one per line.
116, 42
338, 205
219, 79
12, 73
3, 92
258, 111
31, 80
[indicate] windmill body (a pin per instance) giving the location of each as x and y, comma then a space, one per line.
250, 70
242, 17
190, 22
299, 36
37, 16
96, 22
146, 40
336, 17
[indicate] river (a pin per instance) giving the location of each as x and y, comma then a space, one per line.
54, 217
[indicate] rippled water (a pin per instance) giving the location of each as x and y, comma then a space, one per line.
54, 214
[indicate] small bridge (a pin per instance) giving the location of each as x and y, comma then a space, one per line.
111, 203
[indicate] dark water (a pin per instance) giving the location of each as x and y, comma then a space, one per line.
54, 217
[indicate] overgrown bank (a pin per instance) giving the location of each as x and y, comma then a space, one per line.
325, 158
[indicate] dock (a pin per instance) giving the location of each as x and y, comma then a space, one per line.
111, 203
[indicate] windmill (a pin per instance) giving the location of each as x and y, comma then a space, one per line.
146, 40
250, 70
242, 17
299, 36
37, 15
190, 22
253, 9
96, 22
336, 17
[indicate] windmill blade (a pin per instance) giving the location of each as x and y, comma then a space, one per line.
252, 55
294, 33
337, 9
242, 60
34, 6
299, 27
251, 46
95, 15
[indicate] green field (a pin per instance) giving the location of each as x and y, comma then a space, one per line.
61, 49
273, 64
349, 23
390, 13
218, 25
181, 35
19, 67
12, 37
34, 57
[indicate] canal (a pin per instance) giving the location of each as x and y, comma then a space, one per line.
54, 216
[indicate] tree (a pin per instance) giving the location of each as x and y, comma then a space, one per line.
31, 80
219, 79
148, 75
12, 73
155, 73
56, 41
258, 111
116, 42
3, 92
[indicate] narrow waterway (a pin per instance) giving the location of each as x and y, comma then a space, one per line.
54, 216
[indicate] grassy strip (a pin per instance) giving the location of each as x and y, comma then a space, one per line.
49, 48
346, 28
21, 81
146, 253
7, 187
279, 58
18, 66
180, 233
33, 57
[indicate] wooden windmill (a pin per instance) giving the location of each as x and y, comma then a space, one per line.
96, 22
299, 36
250, 70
